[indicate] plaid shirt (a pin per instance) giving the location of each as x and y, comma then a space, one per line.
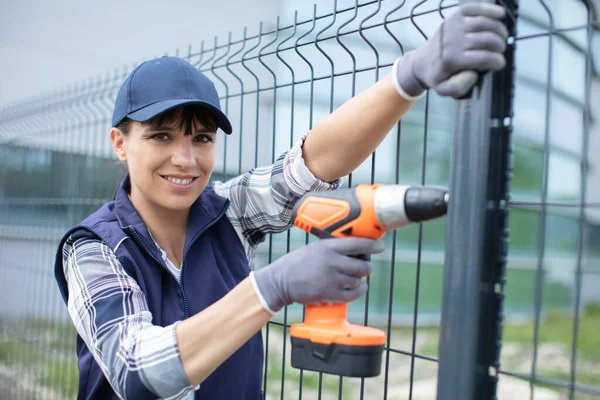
261, 202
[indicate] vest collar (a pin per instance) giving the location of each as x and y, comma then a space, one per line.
206, 210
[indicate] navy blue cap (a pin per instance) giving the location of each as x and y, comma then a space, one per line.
158, 85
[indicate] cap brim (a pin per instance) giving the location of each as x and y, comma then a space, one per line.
151, 111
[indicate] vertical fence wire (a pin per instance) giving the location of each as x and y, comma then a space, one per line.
394, 238
584, 170
420, 233
547, 207
544, 200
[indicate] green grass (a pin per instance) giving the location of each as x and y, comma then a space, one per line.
62, 376
557, 327
56, 373
62, 335
519, 292
583, 377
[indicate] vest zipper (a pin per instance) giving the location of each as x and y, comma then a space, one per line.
185, 305
141, 241
179, 285
186, 309
214, 221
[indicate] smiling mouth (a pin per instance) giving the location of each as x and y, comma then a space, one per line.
179, 181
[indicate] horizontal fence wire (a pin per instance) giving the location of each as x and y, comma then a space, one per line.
275, 82
580, 207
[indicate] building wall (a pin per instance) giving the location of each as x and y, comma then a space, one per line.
38, 165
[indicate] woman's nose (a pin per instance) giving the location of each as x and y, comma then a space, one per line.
184, 155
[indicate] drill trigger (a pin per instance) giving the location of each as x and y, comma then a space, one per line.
320, 233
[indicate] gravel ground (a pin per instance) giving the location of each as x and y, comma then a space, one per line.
20, 383
550, 358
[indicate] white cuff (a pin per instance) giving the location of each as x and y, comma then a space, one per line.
297, 175
259, 294
399, 88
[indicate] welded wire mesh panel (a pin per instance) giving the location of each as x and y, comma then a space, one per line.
56, 168
539, 262
281, 79
553, 254
276, 81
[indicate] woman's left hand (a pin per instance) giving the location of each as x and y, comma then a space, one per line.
470, 41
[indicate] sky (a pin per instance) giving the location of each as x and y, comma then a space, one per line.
48, 44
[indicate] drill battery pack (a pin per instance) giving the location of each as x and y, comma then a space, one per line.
337, 359
327, 342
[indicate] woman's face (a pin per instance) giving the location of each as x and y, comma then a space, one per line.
168, 169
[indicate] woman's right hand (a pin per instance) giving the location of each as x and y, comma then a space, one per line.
320, 272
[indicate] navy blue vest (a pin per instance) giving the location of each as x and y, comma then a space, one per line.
214, 262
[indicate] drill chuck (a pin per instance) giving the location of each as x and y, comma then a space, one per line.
399, 205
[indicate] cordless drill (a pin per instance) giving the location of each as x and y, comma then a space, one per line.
326, 341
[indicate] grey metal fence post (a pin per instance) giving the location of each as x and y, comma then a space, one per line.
476, 237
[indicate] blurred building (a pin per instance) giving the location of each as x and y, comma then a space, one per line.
56, 165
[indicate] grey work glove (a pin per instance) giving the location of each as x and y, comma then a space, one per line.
471, 40
320, 272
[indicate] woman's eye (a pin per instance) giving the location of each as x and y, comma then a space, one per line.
204, 138
161, 137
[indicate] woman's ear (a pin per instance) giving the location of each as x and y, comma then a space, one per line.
118, 143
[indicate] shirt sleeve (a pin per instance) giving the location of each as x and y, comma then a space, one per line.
262, 199
110, 313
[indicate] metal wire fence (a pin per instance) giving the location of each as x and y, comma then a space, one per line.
469, 314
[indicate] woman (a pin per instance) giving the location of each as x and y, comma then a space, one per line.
158, 282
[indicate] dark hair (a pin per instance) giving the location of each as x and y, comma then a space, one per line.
184, 118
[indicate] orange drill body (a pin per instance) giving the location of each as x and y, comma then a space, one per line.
351, 213
326, 341
341, 213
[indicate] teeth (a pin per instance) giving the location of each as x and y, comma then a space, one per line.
178, 181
